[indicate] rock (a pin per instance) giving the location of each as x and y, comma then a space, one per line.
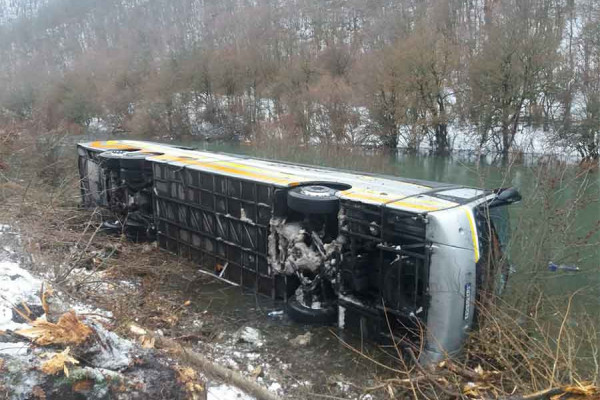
36, 312
277, 314
274, 387
301, 340
251, 335
136, 330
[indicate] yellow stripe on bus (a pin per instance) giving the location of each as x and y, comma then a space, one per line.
112, 145
271, 176
385, 199
366, 196
415, 206
231, 168
473, 233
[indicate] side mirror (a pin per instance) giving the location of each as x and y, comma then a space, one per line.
510, 195
505, 196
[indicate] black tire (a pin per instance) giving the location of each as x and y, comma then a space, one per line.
111, 159
313, 199
135, 160
126, 159
305, 315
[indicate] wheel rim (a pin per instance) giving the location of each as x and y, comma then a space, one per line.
317, 191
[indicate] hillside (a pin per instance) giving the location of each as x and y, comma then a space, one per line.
491, 75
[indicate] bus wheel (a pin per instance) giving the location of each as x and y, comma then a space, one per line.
325, 314
313, 199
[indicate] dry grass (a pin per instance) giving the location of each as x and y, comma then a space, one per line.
511, 355
555, 348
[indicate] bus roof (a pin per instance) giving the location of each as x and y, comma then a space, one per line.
393, 192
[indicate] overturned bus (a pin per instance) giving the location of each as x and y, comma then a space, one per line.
387, 257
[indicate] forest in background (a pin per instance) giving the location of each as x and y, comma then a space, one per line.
439, 74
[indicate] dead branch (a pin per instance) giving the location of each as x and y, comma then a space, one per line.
542, 394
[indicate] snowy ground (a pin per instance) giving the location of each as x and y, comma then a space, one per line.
16, 284
106, 360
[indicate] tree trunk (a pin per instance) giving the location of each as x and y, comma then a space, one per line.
505, 143
488, 14
390, 138
442, 147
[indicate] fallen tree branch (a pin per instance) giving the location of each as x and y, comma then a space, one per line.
463, 371
542, 394
579, 391
216, 370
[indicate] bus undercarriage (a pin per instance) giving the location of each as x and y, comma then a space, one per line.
366, 267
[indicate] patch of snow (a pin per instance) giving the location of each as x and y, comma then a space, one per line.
14, 349
81, 308
251, 335
226, 392
98, 125
274, 387
16, 286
